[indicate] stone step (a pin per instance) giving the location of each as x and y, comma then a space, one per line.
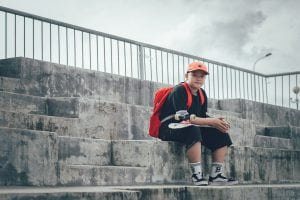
272, 142
84, 151
264, 114
46, 79
248, 164
73, 127
274, 131
62, 107
150, 192
44, 158
13, 85
239, 192
28, 157
60, 125
223, 113
67, 193
72, 175
100, 119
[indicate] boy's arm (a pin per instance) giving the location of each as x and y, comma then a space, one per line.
218, 123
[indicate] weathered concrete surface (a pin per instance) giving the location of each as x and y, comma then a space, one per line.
247, 192
84, 151
28, 157
160, 192
272, 142
102, 175
265, 114
62, 107
47, 79
61, 126
295, 137
166, 162
274, 131
68, 193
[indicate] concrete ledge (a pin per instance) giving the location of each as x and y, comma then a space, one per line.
28, 157
102, 175
84, 151
274, 131
53, 80
182, 192
272, 142
265, 114
61, 107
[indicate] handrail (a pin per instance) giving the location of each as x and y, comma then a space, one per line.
71, 26
82, 47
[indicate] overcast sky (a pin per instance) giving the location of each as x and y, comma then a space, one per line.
235, 32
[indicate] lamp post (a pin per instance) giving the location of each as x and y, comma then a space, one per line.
268, 54
296, 90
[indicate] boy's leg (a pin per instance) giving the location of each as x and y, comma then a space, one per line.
217, 169
219, 154
194, 153
194, 157
218, 142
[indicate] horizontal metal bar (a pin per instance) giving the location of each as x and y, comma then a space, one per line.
282, 74
71, 26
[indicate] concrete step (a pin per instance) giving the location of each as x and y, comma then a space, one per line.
272, 142
150, 192
28, 157
100, 119
223, 113
264, 114
102, 175
44, 158
41, 78
97, 119
73, 127
274, 131
13, 85
61, 125
62, 107
84, 151
67, 193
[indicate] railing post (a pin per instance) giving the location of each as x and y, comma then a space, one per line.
141, 62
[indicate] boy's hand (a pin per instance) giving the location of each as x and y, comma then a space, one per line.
221, 124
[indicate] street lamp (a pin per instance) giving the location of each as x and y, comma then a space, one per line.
268, 54
296, 90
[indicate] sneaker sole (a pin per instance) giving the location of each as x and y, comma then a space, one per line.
201, 184
223, 183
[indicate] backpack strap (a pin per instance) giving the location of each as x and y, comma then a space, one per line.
189, 100
201, 96
189, 95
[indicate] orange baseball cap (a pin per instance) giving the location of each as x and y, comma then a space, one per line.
197, 66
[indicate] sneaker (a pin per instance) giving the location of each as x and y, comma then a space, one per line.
221, 180
199, 181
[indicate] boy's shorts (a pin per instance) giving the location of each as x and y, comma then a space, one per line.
211, 138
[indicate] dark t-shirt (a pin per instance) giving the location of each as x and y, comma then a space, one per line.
177, 100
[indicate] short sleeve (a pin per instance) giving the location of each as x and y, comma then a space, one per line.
178, 98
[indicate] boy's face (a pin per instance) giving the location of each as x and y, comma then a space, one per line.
196, 79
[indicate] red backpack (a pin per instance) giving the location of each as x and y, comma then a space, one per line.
159, 99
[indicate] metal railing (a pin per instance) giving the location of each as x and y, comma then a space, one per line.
28, 35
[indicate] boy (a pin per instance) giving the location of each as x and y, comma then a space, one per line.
215, 137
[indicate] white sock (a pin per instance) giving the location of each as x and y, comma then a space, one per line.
216, 168
196, 169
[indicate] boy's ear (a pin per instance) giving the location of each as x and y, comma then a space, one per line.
186, 76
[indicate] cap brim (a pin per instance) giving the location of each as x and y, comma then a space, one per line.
198, 70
